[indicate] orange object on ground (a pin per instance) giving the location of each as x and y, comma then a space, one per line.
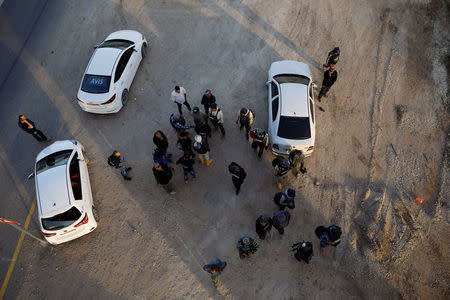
419, 200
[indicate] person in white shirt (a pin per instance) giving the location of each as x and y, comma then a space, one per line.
179, 97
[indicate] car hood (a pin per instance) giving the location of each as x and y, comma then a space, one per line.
289, 67
55, 147
129, 35
52, 191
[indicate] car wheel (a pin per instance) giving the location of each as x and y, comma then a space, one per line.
95, 213
144, 50
124, 96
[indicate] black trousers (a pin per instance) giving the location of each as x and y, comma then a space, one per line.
38, 135
185, 103
247, 128
261, 147
220, 126
279, 228
324, 90
237, 182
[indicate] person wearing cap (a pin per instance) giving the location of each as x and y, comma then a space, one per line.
263, 226
260, 140
200, 121
285, 199
333, 57
179, 97
163, 174
237, 175
303, 251
329, 78
281, 220
208, 99
246, 247
114, 160
245, 119
178, 123
215, 267
28, 126
202, 148
297, 162
187, 163
216, 117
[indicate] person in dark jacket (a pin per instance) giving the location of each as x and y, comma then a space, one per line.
201, 146
297, 162
281, 220
333, 57
29, 127
246, 246
187, 162
163, 174
161, 141
330, 235
263, 226
260, 140
208, 99
303, 251
329, 78
178, 123
215, 267
114, 160
285, 199
237, 175
245, 119
184, 142
280, 169
159, 156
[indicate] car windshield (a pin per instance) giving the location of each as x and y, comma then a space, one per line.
119, 44
53, 160
95, 84
61, 220
291, 78
294, 128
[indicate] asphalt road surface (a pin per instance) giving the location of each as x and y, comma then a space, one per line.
363, 157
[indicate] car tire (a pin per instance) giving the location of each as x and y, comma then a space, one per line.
124, 97
144, 50
95, 214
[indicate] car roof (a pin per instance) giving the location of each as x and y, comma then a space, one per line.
294, 100
103, 61
53, 194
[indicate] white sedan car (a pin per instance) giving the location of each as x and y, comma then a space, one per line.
110, 72
291, 108
63, 193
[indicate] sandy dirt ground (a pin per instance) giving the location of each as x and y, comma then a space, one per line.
381, 141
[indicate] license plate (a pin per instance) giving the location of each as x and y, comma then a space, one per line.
68, 231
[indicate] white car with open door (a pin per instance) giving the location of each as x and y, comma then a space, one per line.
291, 108
110, 72
63, 193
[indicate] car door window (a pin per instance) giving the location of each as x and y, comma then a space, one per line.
75, 177
274, 89
275, 104
311, 107
123, 61
310, 90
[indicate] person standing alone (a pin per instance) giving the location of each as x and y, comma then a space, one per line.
329, 78
179, 96
237, 175
28, 126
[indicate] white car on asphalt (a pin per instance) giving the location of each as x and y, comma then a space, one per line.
110, 72
63, 193
291, 108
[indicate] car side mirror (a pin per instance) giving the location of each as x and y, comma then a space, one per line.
30, 176
314, 85
268, 82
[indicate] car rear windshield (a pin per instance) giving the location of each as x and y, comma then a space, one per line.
291, 78
119, 44
53, 160
294, 128
95, 84
61, 220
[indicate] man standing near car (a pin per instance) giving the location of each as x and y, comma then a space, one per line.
208, 99
329, 78
179, 96
297, 162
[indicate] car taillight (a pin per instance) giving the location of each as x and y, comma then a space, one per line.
84, 221
276, 146
310, 148
110, 100
48, 234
